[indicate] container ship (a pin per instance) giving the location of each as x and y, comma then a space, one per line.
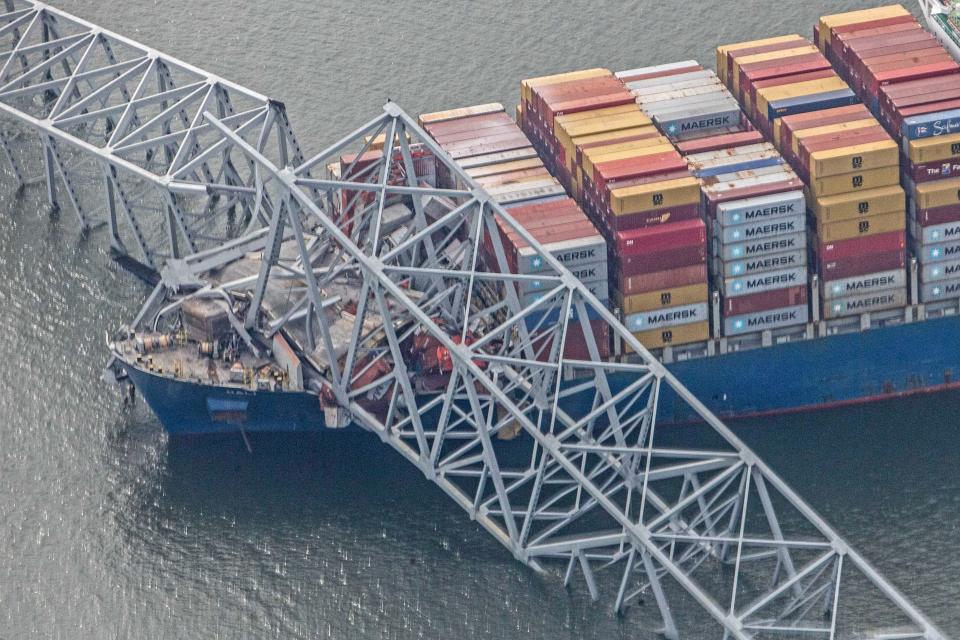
782, 232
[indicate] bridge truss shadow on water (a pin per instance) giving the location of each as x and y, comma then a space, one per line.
192, 172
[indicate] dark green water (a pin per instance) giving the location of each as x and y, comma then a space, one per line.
109, 530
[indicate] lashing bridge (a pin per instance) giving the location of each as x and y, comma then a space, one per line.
191, 173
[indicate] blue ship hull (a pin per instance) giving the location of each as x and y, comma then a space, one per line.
867, 366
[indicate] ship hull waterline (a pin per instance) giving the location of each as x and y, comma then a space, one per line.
808, 375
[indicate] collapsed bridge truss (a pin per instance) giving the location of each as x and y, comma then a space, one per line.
688, 517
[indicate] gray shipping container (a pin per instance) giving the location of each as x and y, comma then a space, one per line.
768, 281
940, 290
670, 66
942, 252
769, 246
570, 253
797, 223
760, 264
855, 305
669, 317
763, 320
868, 283
777, 205
939, 271
593, 272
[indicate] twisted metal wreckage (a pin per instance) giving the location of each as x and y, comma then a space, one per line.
194, 174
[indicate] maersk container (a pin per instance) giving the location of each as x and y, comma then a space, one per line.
760, 264
746, 285
812, 102
594, 272
856, 305
937, 233
867, 283
763, 229
779, 205
940, 290
669, 317
939, 271
764, 320
756, 248
937, 252
570, 253
705, 119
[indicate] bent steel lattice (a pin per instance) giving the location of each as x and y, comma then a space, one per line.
687, 516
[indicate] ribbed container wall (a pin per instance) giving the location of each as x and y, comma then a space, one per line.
912, 85
635, 187
844, 157
490, 147
761, 287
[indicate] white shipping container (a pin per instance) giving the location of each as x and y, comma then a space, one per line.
763, 320
868, 283
855, 305
777, 205
669, 317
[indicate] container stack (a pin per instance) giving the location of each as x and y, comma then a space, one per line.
913, 87
762, 286
781, 76
858, 209
637, 189
490, 147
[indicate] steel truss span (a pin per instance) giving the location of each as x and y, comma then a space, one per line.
687, 520
89, 103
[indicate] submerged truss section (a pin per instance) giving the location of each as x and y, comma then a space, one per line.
91, 105
438, 348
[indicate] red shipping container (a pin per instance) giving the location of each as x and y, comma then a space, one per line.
660, 280
607, 174
661, 238
766, 48
591, 103
938, 215
879, 243
663, 73
662, 260
575, 344
475, 123
652, 218
860, 265
715, 143
755, 302
944, 65
931, 171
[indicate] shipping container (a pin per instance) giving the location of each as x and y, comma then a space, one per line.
768, 207
934, 291
665, 279
854, 228
759, 264
862, 284
671, 297
868, 302
766, 320
835, 268
764, 301
779, 279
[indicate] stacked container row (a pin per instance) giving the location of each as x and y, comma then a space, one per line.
857, 207
762, 285
845, 158
487, 144
912, 85
780, 76
636, 188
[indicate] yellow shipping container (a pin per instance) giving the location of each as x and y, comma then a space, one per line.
527, 86
566, 118
783, 54
723, 50
656, 195
935, 149
861, 157
939, 193
858, 205
464, 112
853, 17
590, 157
801, 134
856, 228
678, 296
771, 94
619, 122
857, 181
683, 334
505, 167
570, 151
